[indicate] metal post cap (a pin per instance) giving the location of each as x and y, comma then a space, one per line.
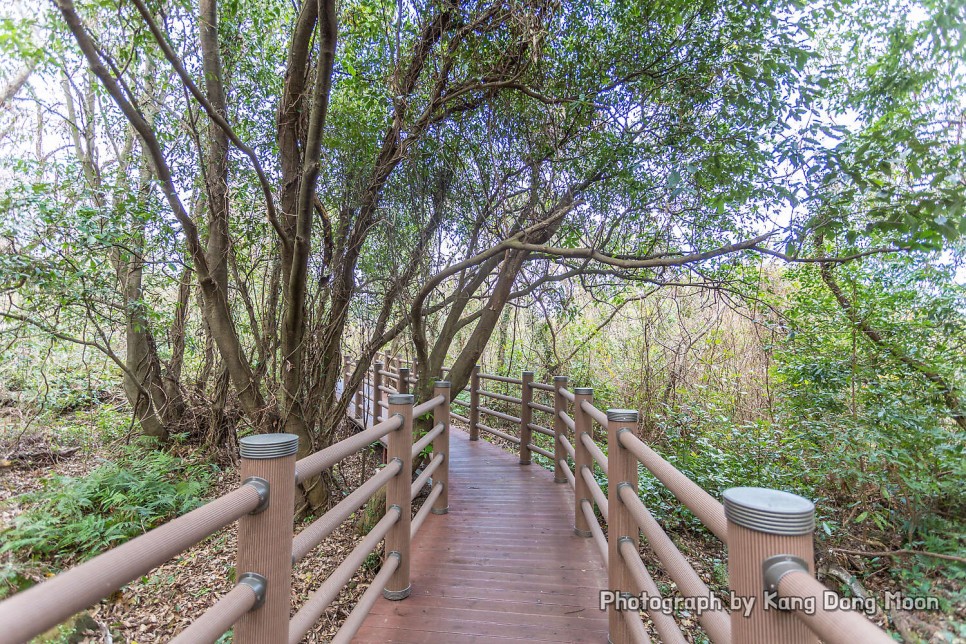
266, 446
442, 383
622, 415
560, 378
401, 399
584, 391
769, 511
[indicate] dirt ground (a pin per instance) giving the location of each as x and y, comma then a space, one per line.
156, 607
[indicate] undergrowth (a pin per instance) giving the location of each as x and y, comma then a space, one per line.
74, 518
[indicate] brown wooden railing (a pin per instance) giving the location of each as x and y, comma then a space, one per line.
263, 505
768, 532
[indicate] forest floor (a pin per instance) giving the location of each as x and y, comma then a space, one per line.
157, 606
161, 604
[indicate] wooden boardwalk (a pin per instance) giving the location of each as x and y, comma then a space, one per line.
503, 564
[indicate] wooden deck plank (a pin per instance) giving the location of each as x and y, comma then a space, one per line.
504, 565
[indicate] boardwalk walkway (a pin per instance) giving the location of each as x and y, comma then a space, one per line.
504, 564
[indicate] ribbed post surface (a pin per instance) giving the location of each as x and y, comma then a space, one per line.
621, 472
403, 384
475, 404
582, 425
265, 538
441, 446
358, 398
398, 493
377, 411
346, 374
763, 523
526, 417
559, 428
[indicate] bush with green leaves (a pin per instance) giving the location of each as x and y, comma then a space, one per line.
75, 518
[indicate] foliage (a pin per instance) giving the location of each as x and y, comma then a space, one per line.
76, 518
779, 389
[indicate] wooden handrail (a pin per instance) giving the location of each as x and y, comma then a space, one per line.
430, 436
708, 510
595, 451
390, 568
598, 535
596, 493
427, 508
220, 617
499, 414
567, 420
314, 464
567, 446
496, 432
768, 533
318, 601
490, 376
595, 413
425, 474
325, 525
503, 397
265, 569
544, 408
536, 449
832, 626
567, 473
540, 429
39, 608
715, 622
630, 560
429, 405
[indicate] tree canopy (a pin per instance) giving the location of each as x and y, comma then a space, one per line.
225, 199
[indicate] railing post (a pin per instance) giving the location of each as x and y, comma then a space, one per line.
265, 535
398, 494
377, 392
559, 428
346, 372
403, 381
621, 471
475, 403
582, 425
763, 523
441, 446
360, 407
526, 417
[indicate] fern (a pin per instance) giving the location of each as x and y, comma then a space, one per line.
75, 518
